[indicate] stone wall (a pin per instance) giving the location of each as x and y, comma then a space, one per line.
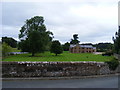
117, 56
54, 69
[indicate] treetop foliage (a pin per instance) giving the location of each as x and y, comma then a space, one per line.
33, 24
10, 41
66, 46
34, 36
56, 47
75, 39
116, 40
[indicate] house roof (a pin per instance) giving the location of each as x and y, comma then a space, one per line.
87, 46
72, 45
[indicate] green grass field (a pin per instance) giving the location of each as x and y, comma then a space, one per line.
15, 50
66, 56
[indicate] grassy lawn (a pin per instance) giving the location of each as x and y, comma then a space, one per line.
15, 50
66, 56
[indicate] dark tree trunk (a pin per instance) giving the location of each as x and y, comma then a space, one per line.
56, 54
33, 54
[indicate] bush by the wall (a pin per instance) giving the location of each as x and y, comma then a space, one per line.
113, 64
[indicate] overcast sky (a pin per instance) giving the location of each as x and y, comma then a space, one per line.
94, 21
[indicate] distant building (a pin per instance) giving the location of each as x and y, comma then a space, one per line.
82, 48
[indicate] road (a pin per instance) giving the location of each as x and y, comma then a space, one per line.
99, 82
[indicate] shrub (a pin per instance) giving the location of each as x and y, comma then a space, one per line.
56, 47
113, 64
119, 52
108, 53
5, 50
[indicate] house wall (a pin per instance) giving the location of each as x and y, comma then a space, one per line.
78, 49
54, 69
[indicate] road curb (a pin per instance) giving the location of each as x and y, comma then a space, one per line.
60, 78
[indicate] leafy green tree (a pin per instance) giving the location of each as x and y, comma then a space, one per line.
104, 47
66, 46
75, 39
5, 49
10, 41
34, 36
24, 46
56, 47
116, 40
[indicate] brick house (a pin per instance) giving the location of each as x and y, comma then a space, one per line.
82, 48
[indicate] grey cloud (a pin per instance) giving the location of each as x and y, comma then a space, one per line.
59, 19
10, 31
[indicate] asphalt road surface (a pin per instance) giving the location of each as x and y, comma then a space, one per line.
99, 82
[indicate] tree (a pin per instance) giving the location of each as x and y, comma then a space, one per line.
75, 39
24, 46
5, 49
56, 47
116, 40
66, 46
34, 36
104, 47
10, 41
87, 44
